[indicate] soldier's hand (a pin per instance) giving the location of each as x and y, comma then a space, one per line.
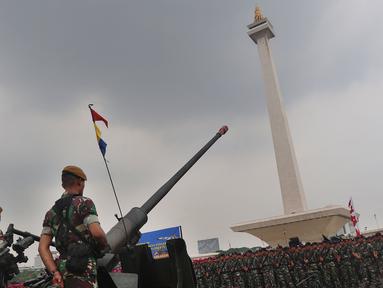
58, 279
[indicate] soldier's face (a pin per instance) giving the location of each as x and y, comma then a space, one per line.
81, 186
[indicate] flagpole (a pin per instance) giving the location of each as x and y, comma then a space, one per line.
111, 181
115, 194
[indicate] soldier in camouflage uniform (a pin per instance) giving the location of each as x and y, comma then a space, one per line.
347, 272
330, 270
320, 257
311, 258
297, 268
214, 272
281, 268
198, 273
239, 272
225, 277
81, 214
357, 263
202, 275
372, 264
377, 243
1, 232
255, 274
267, 271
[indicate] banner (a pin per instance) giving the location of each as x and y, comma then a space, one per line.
156, 240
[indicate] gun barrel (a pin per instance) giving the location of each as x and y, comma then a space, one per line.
23, 244
26, 234
156, 198
137, 217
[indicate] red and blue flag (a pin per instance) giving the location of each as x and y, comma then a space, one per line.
97, 117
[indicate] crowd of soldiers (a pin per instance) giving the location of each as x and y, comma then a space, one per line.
342, 263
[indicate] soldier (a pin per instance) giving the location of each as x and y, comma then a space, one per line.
378, 246
1, 232
239, 272
201, 274
255, 275
330, 270
281, 267
267, 271
298, 267
278, 273
371, 261
311, 258
348, 274
321, 250
225, 278
357, 264
74, 224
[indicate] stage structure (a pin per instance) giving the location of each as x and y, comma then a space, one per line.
297, 221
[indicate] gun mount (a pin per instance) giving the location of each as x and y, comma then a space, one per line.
8, 261
120, 236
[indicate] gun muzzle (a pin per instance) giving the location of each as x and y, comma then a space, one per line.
23, 244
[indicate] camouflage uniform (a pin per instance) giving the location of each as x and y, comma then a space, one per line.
281, 266
372, 265
225, 277
357, 263
313, 272
330, 270
202, 277
321, 250
348, 274
239, 272
267, 271
1, 232
255, 274
81, 213
198, 274
378, 246
297, 269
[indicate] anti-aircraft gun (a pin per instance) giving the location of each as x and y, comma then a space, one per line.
178, 271
8, 261
137, 261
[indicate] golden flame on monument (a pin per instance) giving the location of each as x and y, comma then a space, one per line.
258, 14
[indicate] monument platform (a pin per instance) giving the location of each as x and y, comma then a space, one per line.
308, 226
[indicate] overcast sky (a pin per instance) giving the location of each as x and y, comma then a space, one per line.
168, 74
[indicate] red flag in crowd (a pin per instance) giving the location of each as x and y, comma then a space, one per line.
353, 217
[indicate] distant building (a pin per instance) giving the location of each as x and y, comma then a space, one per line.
38, 262
372, 232
208, 246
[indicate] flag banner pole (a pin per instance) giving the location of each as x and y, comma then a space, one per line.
115, 194
103, 150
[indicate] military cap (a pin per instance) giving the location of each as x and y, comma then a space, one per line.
74, 170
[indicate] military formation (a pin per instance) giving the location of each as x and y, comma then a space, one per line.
340, 263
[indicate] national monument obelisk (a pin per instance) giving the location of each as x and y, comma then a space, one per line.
297, 220
293, 196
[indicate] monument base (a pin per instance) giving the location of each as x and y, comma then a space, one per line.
308, 226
